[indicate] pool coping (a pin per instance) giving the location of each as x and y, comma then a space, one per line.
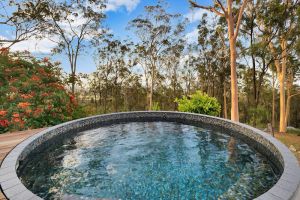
284, 189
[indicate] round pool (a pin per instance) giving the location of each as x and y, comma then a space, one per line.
153, 155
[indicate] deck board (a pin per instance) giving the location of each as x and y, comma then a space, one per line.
9, 140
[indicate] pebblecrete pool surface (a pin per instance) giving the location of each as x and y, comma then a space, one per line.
148, 160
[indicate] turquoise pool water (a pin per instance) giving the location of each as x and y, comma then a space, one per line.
148, 160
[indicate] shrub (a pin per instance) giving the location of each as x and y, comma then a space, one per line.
156, 106
199, 103
32, 94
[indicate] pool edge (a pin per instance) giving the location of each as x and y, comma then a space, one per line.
284, 189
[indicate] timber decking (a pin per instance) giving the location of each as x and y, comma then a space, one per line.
9, 140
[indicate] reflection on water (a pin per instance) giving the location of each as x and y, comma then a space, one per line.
149, 160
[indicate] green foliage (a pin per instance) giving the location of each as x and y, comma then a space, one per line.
259, 116
32, 95
199, 103
156, 106
292, 130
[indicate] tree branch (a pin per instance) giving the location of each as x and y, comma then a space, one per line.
209, 8
222, 7
240, 15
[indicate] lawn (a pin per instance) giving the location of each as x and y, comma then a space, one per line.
291, 139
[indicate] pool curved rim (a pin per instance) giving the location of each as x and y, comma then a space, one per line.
284, 189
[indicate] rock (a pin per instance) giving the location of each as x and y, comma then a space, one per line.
292, 148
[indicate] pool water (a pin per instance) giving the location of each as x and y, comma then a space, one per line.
149, 160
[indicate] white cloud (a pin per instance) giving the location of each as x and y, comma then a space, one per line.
192, 36
34, 45
195, 15
113, 5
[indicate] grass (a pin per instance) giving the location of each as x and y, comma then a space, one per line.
295, 131
291, 138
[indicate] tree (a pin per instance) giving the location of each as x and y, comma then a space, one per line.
213, 60
156, 29
171, 61
23, 21
233, 18
115, 55
280, 31
32, 94
73, 26
187, 74
257, 60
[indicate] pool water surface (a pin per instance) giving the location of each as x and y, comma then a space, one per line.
149, 160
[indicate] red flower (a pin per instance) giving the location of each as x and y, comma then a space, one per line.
35, 78
46, 59
16, 115
28, 111
16, 119
37, 112
13, 80
57, 86
49, 107
23, 105
73, 100
4, 123
3, 113
13, 89
26, 96
4, 51
45, 94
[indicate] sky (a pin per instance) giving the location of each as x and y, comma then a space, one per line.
119, 13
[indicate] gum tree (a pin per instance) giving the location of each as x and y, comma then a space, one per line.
22, 19
156, 30
74, 25
281, 31
233, 13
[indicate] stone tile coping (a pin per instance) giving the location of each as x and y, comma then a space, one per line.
270, 147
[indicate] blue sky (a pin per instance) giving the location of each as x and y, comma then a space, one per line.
119, 13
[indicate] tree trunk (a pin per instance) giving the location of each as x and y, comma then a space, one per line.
151, 89
73, 82
233, 56
96, 103
273, 99
234, 86
288, 108
282, 124
225, 102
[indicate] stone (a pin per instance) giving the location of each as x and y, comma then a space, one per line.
292, 148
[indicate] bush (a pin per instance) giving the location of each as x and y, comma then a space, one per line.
199, 103
156, 106
32, 94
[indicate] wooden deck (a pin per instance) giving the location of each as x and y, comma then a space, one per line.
9, 140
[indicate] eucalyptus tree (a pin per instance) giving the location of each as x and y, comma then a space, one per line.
233, 14
213, 60
187, 72
257, 60
156, 29
171, 62
221, 46
114, 67
208, 61
255, 47
172, 67
74, 25
291, 89
22, 20
280, 31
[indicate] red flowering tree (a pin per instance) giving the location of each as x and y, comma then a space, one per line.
32, 94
